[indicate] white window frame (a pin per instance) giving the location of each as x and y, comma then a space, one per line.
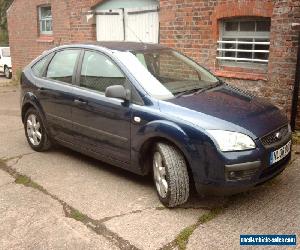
231, 37
45, 20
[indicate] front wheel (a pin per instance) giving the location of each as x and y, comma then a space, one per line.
170, 175
7, 73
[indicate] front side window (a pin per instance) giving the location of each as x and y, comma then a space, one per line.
45, 19
62, 66
98, 72
244, 42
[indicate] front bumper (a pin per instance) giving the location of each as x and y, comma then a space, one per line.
235, 172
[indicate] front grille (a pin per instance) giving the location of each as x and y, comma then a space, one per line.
275, 136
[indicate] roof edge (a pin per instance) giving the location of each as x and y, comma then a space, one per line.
98, 3
12, 3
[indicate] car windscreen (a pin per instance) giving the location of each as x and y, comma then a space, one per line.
178, 73
6, 52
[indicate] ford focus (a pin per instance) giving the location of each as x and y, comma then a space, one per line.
151, 110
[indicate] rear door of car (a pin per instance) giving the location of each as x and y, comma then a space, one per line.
101, 124
55, 92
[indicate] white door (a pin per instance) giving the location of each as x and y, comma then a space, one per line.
134, 24
110, 25
142, 24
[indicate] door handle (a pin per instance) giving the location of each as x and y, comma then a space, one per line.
80, 102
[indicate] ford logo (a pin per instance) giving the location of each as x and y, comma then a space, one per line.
278, 135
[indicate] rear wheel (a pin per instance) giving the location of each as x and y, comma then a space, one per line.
35, 131
7, 73
170, 175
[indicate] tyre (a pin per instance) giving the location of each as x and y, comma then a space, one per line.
35, 131
7, 73
170, 175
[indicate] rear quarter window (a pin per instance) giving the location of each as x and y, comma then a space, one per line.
39, 68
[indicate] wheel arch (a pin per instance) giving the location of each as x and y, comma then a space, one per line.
148, 146
30, 101
167, 132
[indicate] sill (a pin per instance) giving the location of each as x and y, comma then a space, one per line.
45, 39
242, 75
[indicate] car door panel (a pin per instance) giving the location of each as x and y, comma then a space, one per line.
55, 91
57, 100
102, 124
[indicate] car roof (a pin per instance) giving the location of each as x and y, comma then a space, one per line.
125, 46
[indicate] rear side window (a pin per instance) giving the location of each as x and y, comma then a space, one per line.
99, 72
62, 66
39, 68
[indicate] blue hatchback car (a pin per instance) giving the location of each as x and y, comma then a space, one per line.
151, 110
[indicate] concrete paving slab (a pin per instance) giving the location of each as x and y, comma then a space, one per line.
96, 189
31, 220
11, 122
10, 98
13, 144
6, 84
152, 229
270, 209
5, 178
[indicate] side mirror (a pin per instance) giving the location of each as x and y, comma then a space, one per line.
117, 91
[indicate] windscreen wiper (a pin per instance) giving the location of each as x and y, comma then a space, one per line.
186, 92
217, 84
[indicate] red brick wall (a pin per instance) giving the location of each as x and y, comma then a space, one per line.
69, 26
25, 41
192, 26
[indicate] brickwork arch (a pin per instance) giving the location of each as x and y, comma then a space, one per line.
231, 9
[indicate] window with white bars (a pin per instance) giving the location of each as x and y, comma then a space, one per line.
244, 42
45, 19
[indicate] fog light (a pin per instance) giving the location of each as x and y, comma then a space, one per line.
243, 171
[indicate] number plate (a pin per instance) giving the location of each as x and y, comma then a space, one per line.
279, 154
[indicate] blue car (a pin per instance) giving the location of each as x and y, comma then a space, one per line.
151, 110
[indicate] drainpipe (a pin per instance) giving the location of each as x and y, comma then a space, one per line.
296, 85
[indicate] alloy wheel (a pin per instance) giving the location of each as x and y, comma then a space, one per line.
34, 131
159, 172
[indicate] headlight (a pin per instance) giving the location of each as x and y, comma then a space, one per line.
232, 141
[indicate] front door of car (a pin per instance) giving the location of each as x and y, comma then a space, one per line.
55, 92
101, 124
